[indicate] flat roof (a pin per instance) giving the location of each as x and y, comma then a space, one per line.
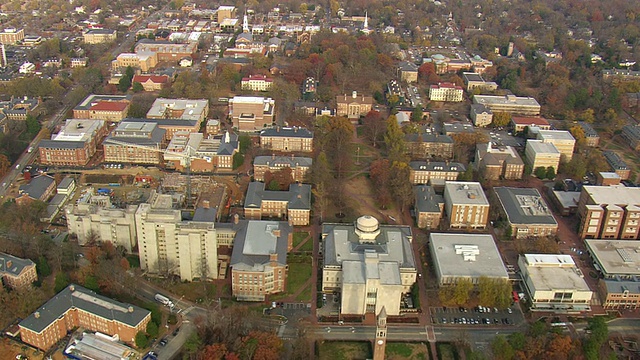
469, 76
550, 272
567, 199
188, 109
505, 100
555, 135
616, 257
524, 206
541, 147
248, 100
619, 195
465, 192
451, 262
78, 130
533, 120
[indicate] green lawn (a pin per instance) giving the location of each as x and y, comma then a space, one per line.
299, 273
298, 237
397, 351
308, 246
340, 350
305, 295
446, 351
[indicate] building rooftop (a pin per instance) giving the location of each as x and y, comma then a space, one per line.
615, 257
100, 31
541, 147
93, 99
530, 121
255, 240
283, 161
457, 127
109, 106
37, 186
589, 131
618, 195
550, 272
427, 201
75, 296
621, 286
550, 135
78, 130
12, 265
467, 255
567, 199
298, 196
614, 160
465, 192
469, 77
184, 109
92, 346
287, 132
137, 133
429, 138
524, 206
437, 166
480, 109
505, 100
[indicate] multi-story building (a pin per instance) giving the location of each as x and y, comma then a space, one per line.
615, 259
259, 260
609, 212
16, 272
39, 188
591, 137
79, 62
225, 12
203, 155
144, 60
295, 139
423, 171
151, 82
294, 205
632, 134
509, 103
520, 123
475, 81
563, 141
170, 126
371, 265
465, 256
619, 294
135, 143
429, 207
480, 115
541, 154
18, 108
429, 145
498, 161
99, 36
445, 92
183, 109
74, 145
457, 128
526, 211
299, 166
407, 71
466, 205
93, 218
553, 282
167, 51
11, 36
617, 164
353, 106
75, 307
251, 113
103, 107
169, 244
604, 178
256, 83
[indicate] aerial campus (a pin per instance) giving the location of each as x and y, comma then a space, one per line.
339, 179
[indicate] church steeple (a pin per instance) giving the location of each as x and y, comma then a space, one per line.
245, 23
366, 20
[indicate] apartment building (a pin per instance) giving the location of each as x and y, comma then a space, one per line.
134, 143
294, 139
481, 115
553, 282
498, 161
294, 205
79, 62
624, 74
99, 36
171, 244
609, 212
75, 307
151, 82
526, 211
299, 166
145, 61
421, 172
541, 154
429, 145
563, 141
466, 205
520, 123
353, 106
617, 164
74, 145
103, 107
256, 83
429, 207
11, 36
259, 260
371, 265
94, 218
167, 51
446, 92
17, 273
204, 155
251, 113
509, 103
632, 134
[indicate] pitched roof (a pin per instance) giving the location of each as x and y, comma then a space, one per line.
538, 121
12, 265
109, 106
158, 79
37, 186
298, 196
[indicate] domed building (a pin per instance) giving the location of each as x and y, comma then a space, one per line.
370, 264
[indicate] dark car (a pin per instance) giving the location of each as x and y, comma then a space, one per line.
175, 332
163, 342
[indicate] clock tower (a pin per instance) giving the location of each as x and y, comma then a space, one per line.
381, 336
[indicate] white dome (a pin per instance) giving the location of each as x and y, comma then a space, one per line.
367, 223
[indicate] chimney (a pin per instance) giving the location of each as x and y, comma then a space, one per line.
130, 309
277, 128
236, 219
205, 204
37, 314
72, 288
9, 263
354, 94
273, 258
273, 156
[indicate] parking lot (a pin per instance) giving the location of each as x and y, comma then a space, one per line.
475, 316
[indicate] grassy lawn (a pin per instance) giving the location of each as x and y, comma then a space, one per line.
300, 269
191, 291
308, 246
305, 295
298, 237
338, 350
406, 351
446, 351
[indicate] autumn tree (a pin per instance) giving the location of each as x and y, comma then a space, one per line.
380, 173
578, 133
425, 70
462, 291
417, 114
501, 349
5, 165
394, 140
281, 179
373, 126
501, 119
400, 184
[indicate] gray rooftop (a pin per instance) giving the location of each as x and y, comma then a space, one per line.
620, 286
618, 195
589, 131
255, 240
480, 109
92, 99
283, 161
287, 132
457, 128
469, 76
616, 257
614, 160
66, 182
437, 166
465, 192
524, 206
137, 134
631, 131
452, 263
37, 186
164, 122
554, 135
541, 147
298, 196
427, 201
429, 138
550, 272
75, 296
490, 100
12, 265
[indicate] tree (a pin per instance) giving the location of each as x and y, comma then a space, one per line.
5, 165
61, 282
394, 140
42, 267
462, 291
152, 329
587, 116
238, 160
501, 349
500, 119
550, 173
417, 114
540, 172
373, 126
380, 173
467, 175
141, 340
137, 87
91, 283
578, 133
400, 185
425, 70
124, 84
33, 125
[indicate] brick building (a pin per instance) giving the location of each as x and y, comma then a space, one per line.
299, 166
495, 162
74, 145
294, 204
466, 205
609, 212
166, 50
256, 83
11, 36
429, 145
617, 164
295, 139
250, 113
16, 272
429, 207
151, 82
446, 92
135, 143
421, 172
353, 106
103, 107
99, 36
526, 211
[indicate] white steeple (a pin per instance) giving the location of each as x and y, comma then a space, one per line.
365, 28
245, 23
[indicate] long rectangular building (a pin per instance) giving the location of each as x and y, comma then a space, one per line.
527, 212
135, 143
509, 103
